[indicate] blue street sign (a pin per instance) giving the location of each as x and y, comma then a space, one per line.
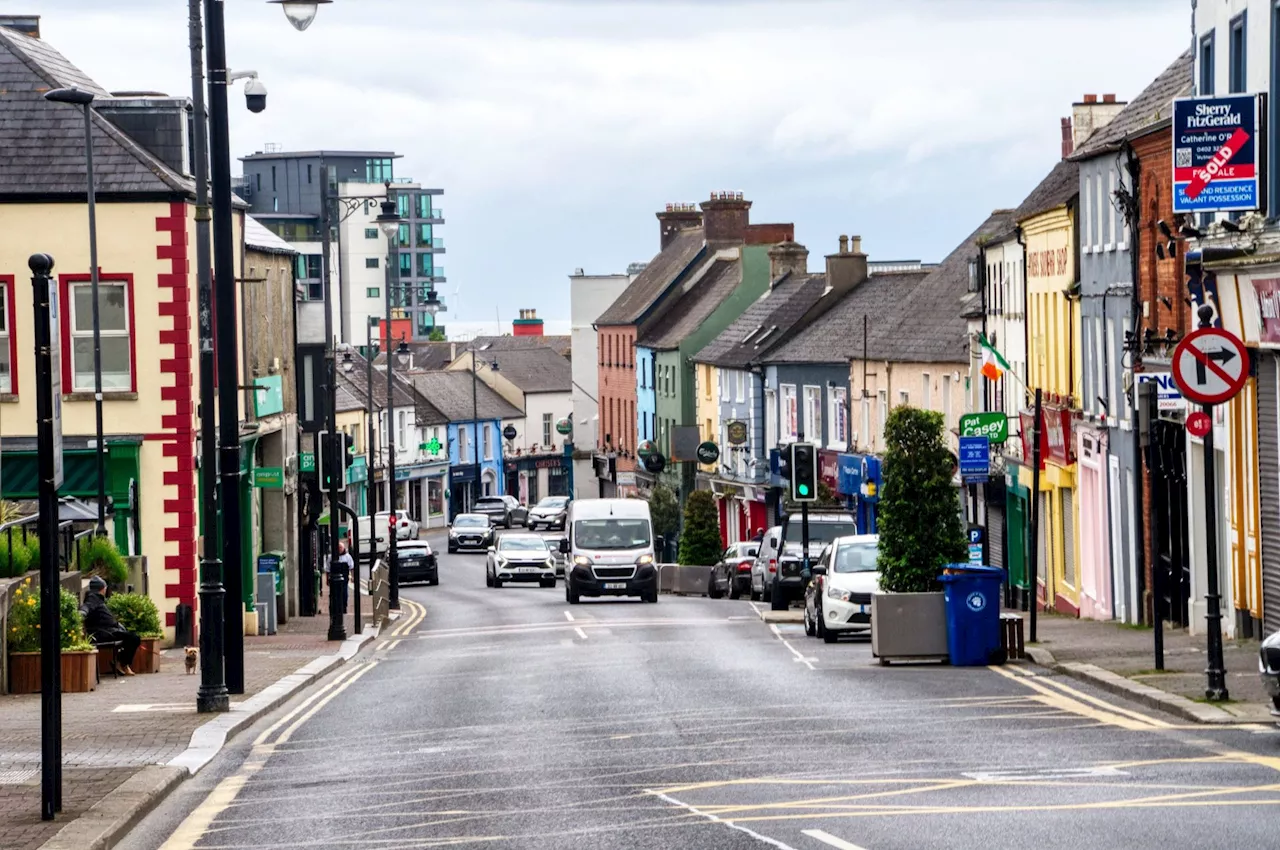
975, 459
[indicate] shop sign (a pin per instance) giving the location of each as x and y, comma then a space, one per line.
626, 479
1216, 162
736, 432
307, 462
268, 477
828, 467
1169, 398
1055, 436
708, 453
975, 459
268, 395
603, 467
992, 425
1268, 291
849, 475
464, 473
564, 426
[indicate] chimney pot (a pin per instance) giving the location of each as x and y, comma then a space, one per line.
1108, 98
844, 244
857, 244
1091, 98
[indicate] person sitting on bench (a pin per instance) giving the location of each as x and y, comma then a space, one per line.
102, 626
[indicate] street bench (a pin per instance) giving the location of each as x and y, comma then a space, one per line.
1011, 636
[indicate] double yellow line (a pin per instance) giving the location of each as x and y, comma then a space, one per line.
1063, 697
414, 614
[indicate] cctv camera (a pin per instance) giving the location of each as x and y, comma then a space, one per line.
255, 95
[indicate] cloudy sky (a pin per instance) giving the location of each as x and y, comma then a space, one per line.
557, 128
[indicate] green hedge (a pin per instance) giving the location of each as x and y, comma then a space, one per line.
99, 556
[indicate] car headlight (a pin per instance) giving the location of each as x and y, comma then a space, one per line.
581, 561
550, 562
834, 592
644, 559
500, 562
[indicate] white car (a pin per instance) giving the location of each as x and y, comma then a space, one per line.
520, 557
406, 526
838, 599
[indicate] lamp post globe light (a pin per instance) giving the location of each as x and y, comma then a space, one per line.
300, 12
84, 99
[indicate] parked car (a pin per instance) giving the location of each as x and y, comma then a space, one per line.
470, 531
417, 562
551, 511
766, 565
406, 526
825, 525
520, 557
1269, 668
505, 511
373, 540
838, 599
732, 575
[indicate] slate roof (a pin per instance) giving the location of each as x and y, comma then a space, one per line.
1153, 106
656, 278
43, 142
533, 370
1057, 188
914, 317
450, 393
347, 400
780, 307
258, 238
692, 308
427, 356
405, 393
559, 344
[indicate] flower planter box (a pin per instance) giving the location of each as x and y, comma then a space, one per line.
908, 626
147, 658
79, 672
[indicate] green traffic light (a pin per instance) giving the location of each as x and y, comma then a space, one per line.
804, 489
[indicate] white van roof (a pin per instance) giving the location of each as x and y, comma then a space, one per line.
599, 508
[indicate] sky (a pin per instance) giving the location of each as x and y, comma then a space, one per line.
558, 128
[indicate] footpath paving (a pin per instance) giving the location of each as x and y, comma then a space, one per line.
115, 737
1121, 659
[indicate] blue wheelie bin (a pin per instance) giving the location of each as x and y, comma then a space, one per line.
973, 613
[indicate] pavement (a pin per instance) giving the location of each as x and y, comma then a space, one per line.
1121, 659
126, 744
509, 718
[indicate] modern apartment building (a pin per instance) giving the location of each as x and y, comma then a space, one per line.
283, 190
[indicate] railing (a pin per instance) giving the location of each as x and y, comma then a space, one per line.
70, 542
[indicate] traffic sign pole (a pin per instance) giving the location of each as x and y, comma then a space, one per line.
1216, 688
1034, 555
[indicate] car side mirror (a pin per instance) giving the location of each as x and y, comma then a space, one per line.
564, 546
492, 550
819, 570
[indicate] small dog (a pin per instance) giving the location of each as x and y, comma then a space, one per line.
190, 660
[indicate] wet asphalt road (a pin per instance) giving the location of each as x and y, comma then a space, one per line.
506, 718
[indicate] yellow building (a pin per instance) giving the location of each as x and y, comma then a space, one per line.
1047, 227
707, 397
146, 256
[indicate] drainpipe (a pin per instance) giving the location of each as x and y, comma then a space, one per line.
1131, 212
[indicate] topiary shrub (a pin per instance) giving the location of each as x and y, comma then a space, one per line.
700, 540
99, 556
24, 621
664, 510
919, 514
137, 613
16, 560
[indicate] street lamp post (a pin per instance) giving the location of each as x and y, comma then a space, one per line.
84, 99
389, 221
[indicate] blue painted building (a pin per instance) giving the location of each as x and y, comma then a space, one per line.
646, 395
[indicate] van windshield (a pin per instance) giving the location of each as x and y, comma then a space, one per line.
821, 532
611, 533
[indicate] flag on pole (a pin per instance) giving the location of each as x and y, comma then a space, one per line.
993, 365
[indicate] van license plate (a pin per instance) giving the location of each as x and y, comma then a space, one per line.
615, 585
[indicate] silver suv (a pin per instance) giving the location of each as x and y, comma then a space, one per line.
825, 525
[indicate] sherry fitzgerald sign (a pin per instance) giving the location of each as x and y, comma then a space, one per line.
1216, 154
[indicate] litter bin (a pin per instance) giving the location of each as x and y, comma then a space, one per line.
972, 596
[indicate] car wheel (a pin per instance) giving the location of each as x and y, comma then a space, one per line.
547, 583
488, 579
827, 634
778, 599
820, 625
713, 589
735, 590
506, 523
453, 550
809, 628
766, 593
434, 580
497, 582
755, 594
569, 595
651, 596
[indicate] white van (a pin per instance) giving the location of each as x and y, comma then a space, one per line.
372, 545
610, 547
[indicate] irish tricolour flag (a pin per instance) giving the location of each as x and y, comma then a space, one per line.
993, 365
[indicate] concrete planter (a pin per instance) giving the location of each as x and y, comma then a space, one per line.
79, 672
908, 626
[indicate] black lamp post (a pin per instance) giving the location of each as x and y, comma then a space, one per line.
389, 221
84, 99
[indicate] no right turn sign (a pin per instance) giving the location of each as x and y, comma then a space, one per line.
1210, 366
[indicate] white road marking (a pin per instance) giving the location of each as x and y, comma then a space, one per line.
693, 810
829, 839
580, 632
797, 653
568, 616
1031, 774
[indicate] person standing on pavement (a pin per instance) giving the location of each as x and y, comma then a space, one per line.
102, 626
344, 558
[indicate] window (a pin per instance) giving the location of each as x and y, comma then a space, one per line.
258, 181
464, 451
308, 267
1237, 54
1206, 66
424, 266
1111, 210
838, 416
740, 387
1273, 106
377, 170
423, 209
402, 432
1110, 396
1087, 212
308, 172
790, 416
273, 178
426, 324
904, 397
706, 430
546, 429
488, 442
373, 292
115, 320
926, 387
864, 432
706, 381
402, 206
882, 399
813, 415
371, 233
406, 265
946, 401
402, 236
370, 262
8, 342
424, 235
770, 419
1103, 208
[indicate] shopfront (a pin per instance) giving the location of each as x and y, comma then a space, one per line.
857, 484
605, 468
424, 485
535, 477
1057, 504
462, 482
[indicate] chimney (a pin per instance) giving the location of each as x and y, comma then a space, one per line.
787, 258
725, 217
453, 351
675, 218
848, 268
26, 24
1068, 143
527, 325
1089, 116
157, 122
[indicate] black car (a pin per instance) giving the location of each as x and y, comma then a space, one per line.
505, 511
1269, 669
417, 562
732, 575
470, 531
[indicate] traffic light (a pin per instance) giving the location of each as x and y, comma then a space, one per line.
804, 472
340, 445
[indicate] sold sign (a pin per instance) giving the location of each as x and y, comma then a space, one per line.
1233, 146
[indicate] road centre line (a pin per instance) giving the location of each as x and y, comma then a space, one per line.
828, 838
693, 810
580, 632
